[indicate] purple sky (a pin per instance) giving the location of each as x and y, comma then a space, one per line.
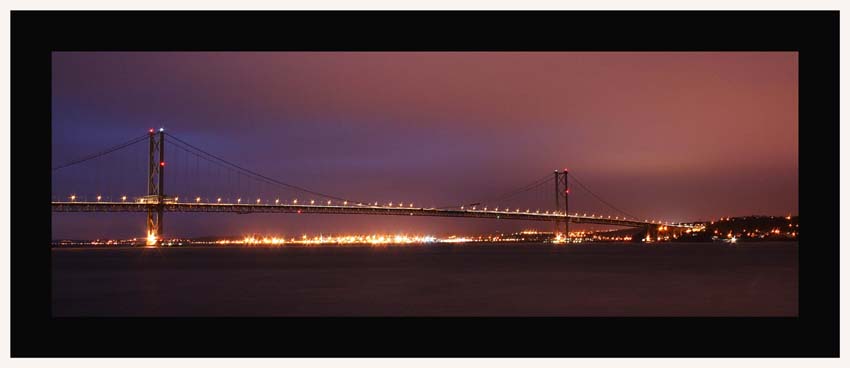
673, 136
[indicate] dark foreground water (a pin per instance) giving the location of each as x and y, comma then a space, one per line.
751, 279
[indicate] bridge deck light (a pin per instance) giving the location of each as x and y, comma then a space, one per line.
258, 200
312, 201
345, 203
73, 197
176, 199
197, 199
295, 201
123, 198
218, 199
329, 203
98, 198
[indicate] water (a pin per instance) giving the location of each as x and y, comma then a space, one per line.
675, 279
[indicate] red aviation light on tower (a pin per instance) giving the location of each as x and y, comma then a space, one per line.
162, 163
565, 170
150, 130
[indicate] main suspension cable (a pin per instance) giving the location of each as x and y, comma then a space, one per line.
258, 175
574, 178
102, 153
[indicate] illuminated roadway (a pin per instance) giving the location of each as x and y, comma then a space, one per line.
527, 215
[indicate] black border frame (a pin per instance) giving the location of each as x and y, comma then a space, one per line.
814, 34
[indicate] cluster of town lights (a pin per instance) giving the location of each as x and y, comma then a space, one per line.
376, 239
404, 239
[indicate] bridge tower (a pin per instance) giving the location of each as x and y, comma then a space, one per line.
566, 208
558, 176
156, 186
557, 201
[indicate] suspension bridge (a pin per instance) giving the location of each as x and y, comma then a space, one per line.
219, 185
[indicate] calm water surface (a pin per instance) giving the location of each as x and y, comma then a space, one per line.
675, 279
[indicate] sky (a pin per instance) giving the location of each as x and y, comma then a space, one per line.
673, 136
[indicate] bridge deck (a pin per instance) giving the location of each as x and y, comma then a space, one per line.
345, 210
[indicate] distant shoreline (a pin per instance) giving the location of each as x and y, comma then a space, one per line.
365, 245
